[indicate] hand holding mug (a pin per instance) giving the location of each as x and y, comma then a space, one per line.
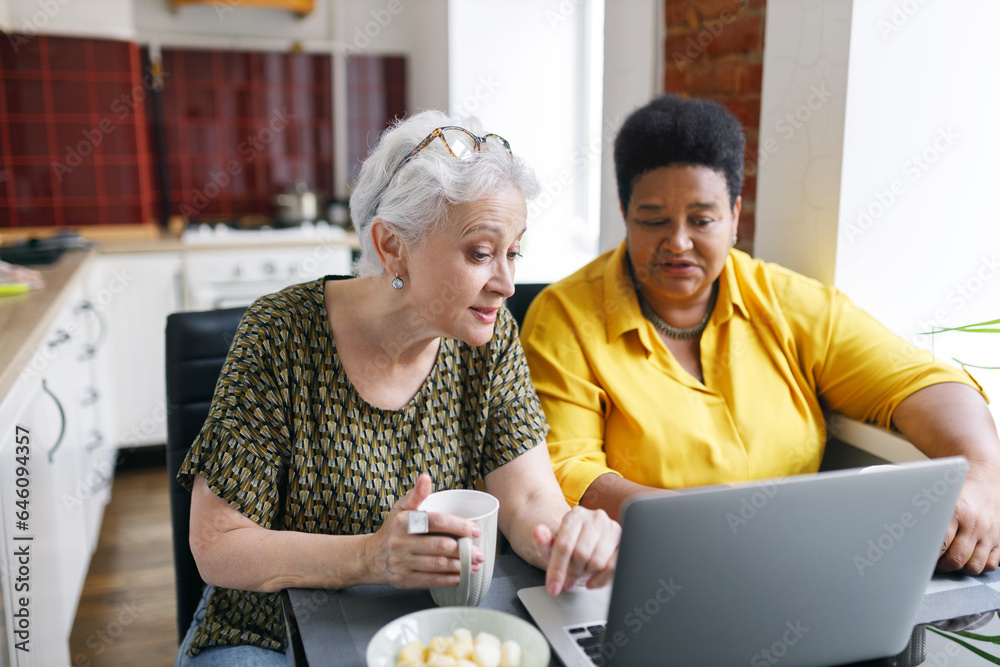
402, 559
482, 509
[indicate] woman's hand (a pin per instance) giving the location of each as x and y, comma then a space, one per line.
952, 419
393, 556
583, 550
972, 542
971, 622
574, 545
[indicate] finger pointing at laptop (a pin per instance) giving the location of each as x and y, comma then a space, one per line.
582, 552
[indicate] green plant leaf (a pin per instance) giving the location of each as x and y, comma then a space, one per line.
971, 328
985, 368
995, 639
979, 324
982, 654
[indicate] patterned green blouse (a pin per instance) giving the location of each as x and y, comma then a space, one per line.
291, 444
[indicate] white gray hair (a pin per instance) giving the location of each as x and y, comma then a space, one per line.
417, 199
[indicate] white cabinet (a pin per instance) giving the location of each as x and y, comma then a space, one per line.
94, 18
134, 293
51, 507
225, 278
93, 488
36, 609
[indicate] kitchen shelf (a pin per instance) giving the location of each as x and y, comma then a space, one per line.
300, 7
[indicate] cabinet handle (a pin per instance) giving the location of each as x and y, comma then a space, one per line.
91, 397
97, 441
62, 420
90, 349
60, 338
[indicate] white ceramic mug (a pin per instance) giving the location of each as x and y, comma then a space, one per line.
481, 508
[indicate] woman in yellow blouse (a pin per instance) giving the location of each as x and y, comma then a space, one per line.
676, 360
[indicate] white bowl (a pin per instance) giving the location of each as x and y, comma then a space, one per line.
429, 623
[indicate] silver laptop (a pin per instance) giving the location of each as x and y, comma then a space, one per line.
820, 569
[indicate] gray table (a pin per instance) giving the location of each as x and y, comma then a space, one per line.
335, 626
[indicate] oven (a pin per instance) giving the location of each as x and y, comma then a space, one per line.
224, 267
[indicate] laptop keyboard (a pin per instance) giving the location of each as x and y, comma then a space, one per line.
588, 638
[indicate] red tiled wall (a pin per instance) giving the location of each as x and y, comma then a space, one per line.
73, 145
243, 126
715, 50
78, 145
376, 94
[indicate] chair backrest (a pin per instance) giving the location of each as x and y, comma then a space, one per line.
524, 294
197, 344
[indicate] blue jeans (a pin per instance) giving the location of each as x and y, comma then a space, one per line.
226, 656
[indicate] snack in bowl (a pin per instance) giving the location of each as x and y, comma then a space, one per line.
460, 650
443, 635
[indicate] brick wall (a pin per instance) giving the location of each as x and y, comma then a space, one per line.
714, 50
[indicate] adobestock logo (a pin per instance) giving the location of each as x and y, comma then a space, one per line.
248, 150
122, 107
894, 532
381, 18
751, 505
878, 547
900, 15
97, 478
796, 460
223, 7
913, 169
102, 639
696, 44
636, 619
779, 649
790, 123
32, 25
562, 12
484, 90
962, 294
966, 291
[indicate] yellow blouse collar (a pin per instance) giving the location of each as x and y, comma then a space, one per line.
621, 306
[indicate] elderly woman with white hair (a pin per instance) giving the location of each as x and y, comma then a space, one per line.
343, 401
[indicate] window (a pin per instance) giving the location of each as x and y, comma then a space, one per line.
533, 74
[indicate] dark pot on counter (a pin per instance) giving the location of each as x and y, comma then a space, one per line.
300, 205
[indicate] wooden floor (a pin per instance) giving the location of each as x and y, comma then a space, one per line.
126, 613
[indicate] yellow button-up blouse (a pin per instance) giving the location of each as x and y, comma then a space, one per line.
779, 348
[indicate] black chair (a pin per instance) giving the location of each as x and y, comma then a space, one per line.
197, 344
524, 294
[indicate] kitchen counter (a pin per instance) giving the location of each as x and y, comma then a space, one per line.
24, 318
115, 239
234, 242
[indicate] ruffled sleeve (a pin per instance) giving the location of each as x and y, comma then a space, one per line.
242, 450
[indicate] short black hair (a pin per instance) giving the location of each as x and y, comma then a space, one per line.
672, 130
